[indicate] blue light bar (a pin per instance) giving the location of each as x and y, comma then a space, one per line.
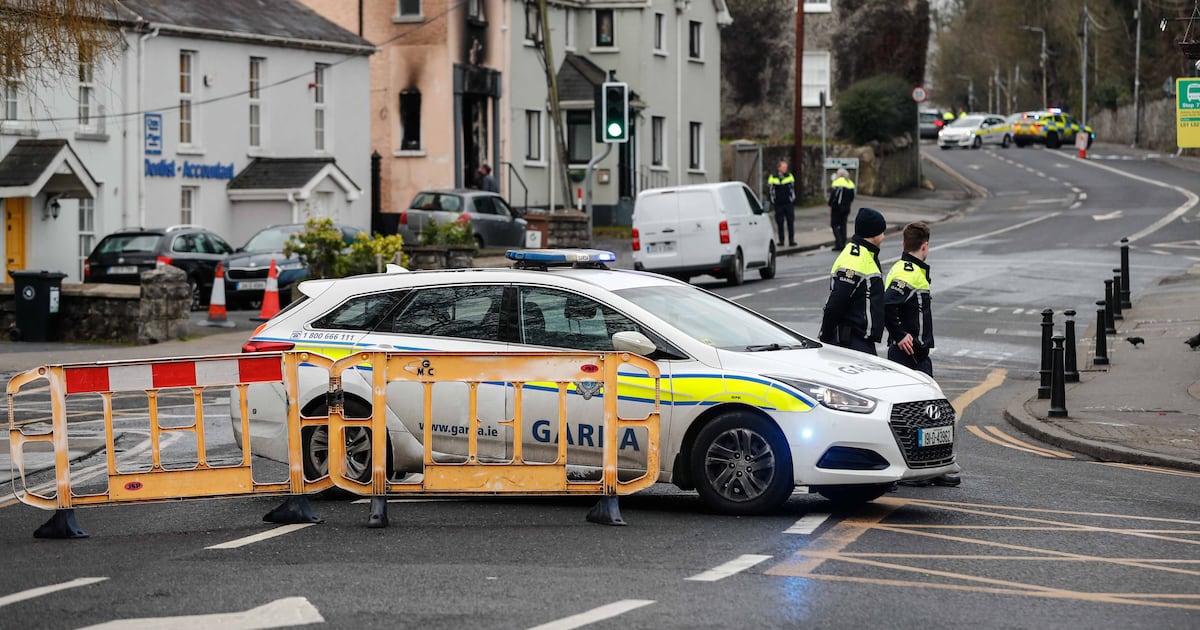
561, 256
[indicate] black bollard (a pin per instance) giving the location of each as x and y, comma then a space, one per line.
1101, 357
1110, 326
1058, 390
1070, 367
1117, 316
1125, 303
1044, 372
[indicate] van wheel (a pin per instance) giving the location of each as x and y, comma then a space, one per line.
358, 446
736, 275
741, 464
849, 496
768, 272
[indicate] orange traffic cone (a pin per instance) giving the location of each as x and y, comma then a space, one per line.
216, 304
270, 301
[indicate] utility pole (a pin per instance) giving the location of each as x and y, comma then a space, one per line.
1045, 57
1083, 62
798, 97
1137, 77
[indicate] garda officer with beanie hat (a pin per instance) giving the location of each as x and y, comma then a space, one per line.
854, 312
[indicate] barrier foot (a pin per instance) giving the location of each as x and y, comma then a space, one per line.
606, 512
378, 517
293, 511
61, 525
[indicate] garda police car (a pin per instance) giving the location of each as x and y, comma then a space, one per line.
750, 409
1052, 128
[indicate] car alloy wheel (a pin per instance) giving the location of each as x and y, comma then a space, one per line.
741, 464
358, 446
977, 142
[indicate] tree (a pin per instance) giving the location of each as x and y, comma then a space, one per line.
43, 40
875, 38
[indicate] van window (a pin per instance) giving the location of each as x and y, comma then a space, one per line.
658, 207
755, 207
733, 201
696, 203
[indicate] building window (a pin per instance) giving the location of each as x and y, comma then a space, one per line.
695, 154
11, 89
187, 65
533, 135
604, 29
579, 136
319, 103
533, 23
255, 91
660, 32
816, 79
87, 230
408, 8
818, 6
658, 140
87, 91
410, 120
187, 204
475, 10
694, 47
569, 28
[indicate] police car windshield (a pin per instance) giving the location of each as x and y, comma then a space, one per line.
968, 121
713, 320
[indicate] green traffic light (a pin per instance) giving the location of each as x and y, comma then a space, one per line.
614, 130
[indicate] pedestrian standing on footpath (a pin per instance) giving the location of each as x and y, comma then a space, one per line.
781, 190
487, 181
908, 314
841, 195
853, 315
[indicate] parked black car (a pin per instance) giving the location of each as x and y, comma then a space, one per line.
122, 256
246, 269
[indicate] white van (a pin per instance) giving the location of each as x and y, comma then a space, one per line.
716, 229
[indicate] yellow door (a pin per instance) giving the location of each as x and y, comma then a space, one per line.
14, 239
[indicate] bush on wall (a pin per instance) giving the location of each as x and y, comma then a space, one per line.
879, 108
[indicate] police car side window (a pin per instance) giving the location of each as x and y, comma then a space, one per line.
471, 312
364, 312
561, 319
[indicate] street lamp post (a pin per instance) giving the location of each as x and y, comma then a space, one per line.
1045, 55
970, 91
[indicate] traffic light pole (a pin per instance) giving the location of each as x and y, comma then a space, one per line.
587, 185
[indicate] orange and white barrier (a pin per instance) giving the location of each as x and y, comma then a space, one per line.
236, 373
270, 301
216, 304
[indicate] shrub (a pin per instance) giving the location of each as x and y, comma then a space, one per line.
365, 253
326, 255
878, 108
454, 233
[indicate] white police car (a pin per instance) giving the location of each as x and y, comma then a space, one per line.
750, 409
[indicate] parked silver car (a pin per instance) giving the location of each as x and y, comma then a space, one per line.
493, 222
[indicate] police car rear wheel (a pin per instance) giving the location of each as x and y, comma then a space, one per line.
1053, 141
736, 274
741, 464
1005, 141
854, 495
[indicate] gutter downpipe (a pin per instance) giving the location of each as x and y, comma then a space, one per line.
141, 172
680, 7
291, 197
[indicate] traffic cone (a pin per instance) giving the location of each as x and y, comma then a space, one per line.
270, 301
216, 304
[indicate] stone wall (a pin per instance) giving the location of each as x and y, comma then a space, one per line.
566, 229
115, 313
1157, 131
884, 168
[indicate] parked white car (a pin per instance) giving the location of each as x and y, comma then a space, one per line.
974, 131
750, 409
715, 229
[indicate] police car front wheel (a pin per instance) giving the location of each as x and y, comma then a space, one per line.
358, 446
741, 464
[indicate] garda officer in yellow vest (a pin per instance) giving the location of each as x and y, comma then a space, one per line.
781, 190
841, 195
947, 117
853, 315
907, 309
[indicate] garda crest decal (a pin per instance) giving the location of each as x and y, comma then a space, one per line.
587, 389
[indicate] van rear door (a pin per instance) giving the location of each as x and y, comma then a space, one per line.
699, 228
656, 218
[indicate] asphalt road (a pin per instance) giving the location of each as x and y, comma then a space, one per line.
1035, 536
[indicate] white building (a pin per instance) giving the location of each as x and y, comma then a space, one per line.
231, 114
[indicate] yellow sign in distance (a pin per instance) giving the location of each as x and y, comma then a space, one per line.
1187, 112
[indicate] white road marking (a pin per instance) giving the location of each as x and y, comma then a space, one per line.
807, 524
281, 613
1038, 202
1076, 205
762, 291
987, 331
740, 297
741, 563
962, 353
1053, 179
1011, 333
46, 590
1115, 214
995, 232
790, 285
1191, 200
608, 611
261, 536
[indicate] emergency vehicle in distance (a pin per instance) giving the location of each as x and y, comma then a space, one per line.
1052, 128
750, 409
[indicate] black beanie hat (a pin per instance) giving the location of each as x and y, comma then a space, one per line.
869, 222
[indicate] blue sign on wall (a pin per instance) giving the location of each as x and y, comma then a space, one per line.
190, 170
153, 132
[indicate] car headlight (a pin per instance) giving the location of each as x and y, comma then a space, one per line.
828, 396
289, 266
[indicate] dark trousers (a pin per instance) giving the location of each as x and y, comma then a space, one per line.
786, 212
897, 355
837, 221
858, 343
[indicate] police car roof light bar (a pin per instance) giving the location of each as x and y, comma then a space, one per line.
546, 258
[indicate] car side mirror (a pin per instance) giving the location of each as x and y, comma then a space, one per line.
518, 212
633, 341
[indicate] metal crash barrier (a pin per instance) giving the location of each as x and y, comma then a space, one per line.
597, 371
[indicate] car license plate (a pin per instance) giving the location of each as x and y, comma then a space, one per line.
123, 269
253, 285
936, 436
660, 248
